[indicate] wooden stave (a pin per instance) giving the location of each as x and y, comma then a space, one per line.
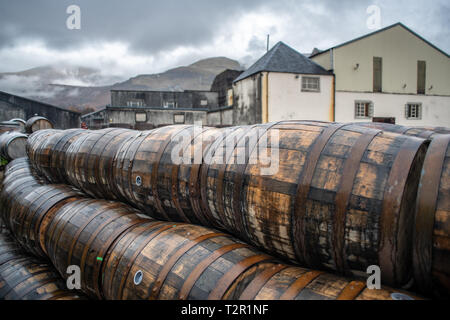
80, 231
37, 123
431, 249
311, 247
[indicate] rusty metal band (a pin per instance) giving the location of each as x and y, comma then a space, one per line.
298, 216
351, 290
427, 198
426, 134
124, 248
54, 206
137, 252
173, 261
255, 286
238, 184
73, 156
87, 222
350, 169
298, 285
154, 176
194, 184
175, 181
202, 266
98, 159
131, 164
174, 193
118, 167
204, 181
392, 202
105, 247
63, 140
220, 181
88, 245
230, 277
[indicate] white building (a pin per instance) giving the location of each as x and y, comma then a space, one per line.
391, 75
283, 85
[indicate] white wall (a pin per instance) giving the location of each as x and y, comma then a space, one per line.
435, 109
288, 102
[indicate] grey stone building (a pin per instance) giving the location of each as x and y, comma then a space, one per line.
12, 106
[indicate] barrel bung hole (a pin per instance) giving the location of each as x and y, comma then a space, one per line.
138, 277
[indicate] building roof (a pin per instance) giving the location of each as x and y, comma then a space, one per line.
282, 58
381, 30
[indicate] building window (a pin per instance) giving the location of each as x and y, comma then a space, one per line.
204, 102
311, 84
377, 74
178, 118
170, 104
363, 109
413, 111
135, 103
141, 117
421, 76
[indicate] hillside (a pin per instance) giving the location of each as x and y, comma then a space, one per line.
85, 89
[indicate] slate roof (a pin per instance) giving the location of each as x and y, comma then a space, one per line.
282, 58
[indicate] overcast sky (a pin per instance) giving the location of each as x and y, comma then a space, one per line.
133, 37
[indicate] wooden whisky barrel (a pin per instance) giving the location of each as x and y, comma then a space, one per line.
339, 198
282, 282
146, 175
20, 122
23, 277
432, 221
167, 261
37, 123
13, 145
80, 233
89, 161
25, 219
422, 132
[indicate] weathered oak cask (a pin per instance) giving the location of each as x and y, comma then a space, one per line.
150, 171
23, 277
37, 123
89, 160
80, 233
339, 198
20, 122
422, 132
432, 223
282, 282
26, 217
13, 145
167, 261
8, 126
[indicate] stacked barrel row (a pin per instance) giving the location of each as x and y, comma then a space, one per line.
24, 277
325, 195
123, 254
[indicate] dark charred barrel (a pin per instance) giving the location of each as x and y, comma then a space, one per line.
37, 123
89, 161
47, 150
25, 218
167, 261
422, 132
432, 223
80, 233
339, 196
23, 277
150, 173
13, 145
